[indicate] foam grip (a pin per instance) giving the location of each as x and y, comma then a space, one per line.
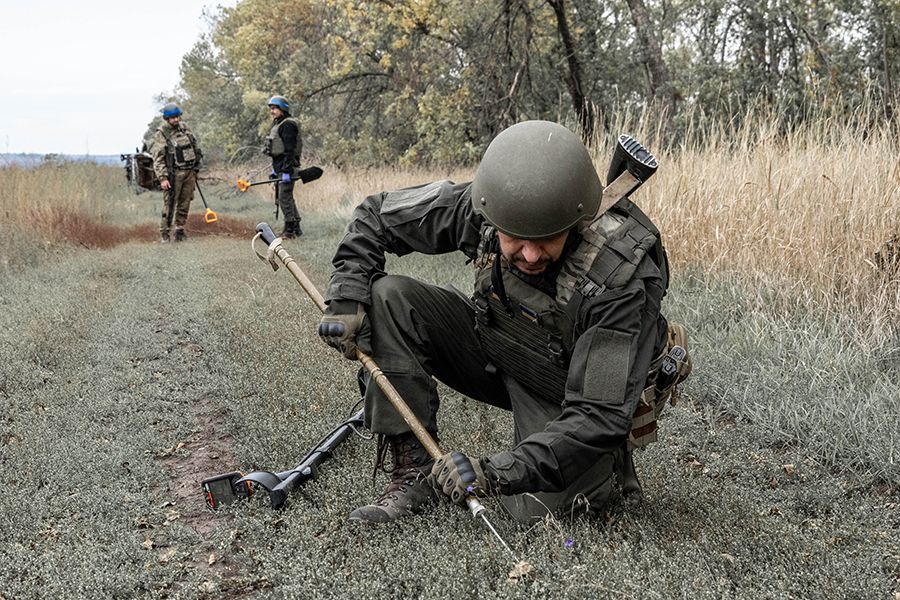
268, 235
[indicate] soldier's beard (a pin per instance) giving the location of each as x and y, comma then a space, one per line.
529, 268
543, 252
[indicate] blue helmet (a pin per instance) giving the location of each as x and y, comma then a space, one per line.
171, 110
279, 101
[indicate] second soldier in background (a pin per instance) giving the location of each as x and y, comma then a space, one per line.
284, 145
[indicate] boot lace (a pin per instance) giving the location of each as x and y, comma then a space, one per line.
408, 464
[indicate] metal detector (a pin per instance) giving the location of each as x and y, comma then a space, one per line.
222, 490
306, 175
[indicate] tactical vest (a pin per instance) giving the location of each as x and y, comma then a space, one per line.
530, 335
274, 145
179, 146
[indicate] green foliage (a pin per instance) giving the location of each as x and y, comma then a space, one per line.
376, 82
434, 80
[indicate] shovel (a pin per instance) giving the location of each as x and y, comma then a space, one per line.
306, 175
210, 216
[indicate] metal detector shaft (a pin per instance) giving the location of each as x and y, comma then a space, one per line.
280, 485
322, 452
265, 232
202, 197
268, 236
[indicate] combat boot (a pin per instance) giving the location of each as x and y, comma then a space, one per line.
180, 235
409, 491
291, 230
164, 237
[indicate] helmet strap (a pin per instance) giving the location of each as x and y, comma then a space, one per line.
497, 283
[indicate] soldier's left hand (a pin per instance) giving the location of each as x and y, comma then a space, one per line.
285, 177
457, 476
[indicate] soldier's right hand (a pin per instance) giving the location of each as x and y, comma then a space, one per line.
273, 175
164, 184
340, 325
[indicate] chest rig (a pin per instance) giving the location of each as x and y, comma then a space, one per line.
179, 146
529, 333
274, 145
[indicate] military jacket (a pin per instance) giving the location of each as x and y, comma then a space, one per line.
176, 148
598, 349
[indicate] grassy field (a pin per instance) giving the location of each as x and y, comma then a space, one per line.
129, 371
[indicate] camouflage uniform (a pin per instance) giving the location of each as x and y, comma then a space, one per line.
570, 436
176, 149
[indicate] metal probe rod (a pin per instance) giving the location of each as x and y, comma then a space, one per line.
265, 232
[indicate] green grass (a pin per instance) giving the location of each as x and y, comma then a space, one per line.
116, 363
806, 380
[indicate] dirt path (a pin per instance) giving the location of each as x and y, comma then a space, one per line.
109, 368
207, 450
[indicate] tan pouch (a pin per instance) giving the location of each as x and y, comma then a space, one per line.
669, 369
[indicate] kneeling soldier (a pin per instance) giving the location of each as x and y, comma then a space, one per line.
564, 327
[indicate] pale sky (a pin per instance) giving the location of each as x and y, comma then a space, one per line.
79, 76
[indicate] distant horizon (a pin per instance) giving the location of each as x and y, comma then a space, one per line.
33, 158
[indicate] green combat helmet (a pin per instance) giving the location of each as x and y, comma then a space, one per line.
536, 180
281, 102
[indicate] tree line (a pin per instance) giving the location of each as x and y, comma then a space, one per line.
412, 81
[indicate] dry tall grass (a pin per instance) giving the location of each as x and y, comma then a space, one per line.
31, 195
60, 205
797, 216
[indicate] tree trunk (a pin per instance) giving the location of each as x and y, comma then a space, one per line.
660, 81
886, 28
574, 77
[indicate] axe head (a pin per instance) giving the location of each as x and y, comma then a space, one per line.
631, 156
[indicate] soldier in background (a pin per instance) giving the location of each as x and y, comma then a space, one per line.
284, 145
176, 159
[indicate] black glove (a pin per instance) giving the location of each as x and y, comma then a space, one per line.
458, 476
340, 325
273, 175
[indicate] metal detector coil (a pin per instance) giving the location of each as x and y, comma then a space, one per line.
222, 490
